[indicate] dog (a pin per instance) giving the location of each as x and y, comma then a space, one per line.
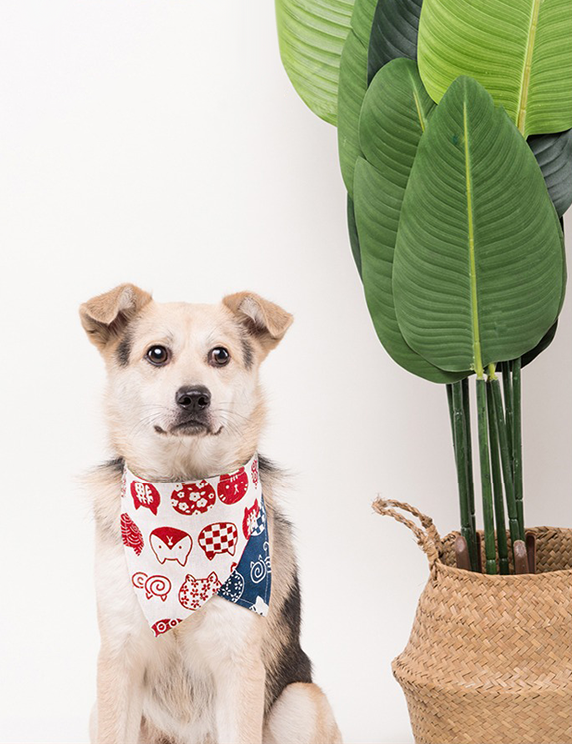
184, 402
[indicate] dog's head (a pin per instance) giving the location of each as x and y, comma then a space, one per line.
184, 399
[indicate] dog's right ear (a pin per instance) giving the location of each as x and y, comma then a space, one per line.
105, 317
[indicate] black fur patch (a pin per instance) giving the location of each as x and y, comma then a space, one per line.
267, 466
124, 351
293, 665
116, 465
248, 352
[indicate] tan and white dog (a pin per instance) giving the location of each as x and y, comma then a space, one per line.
184, 402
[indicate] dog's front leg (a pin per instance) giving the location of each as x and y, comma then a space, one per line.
240, 701
233, 636
125, 642
119, 697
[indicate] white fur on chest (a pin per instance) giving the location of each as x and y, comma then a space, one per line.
184, 666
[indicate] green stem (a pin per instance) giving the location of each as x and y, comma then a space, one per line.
508, 404
517, 443
506, 463
449, 387
488, 511
469, 457
497, 485
460, 447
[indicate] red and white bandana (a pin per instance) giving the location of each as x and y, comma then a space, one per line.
184, 540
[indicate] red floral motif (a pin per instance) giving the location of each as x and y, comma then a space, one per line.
254, 472
195, 592
219, 537
131, 534
193, 498
250, 517
232, 488
162, 626
145, 494
170, 544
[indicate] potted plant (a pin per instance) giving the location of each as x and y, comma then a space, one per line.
454, 126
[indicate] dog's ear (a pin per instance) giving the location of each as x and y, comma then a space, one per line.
105, 317
263, 319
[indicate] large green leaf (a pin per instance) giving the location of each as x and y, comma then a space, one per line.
554, 155
393, 33
311, 34
353, 85
479, 263
520, 50
394, 114
543, 344
353, 234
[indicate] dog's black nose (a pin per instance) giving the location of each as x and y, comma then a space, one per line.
197, 398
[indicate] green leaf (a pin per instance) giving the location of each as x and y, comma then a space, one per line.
394, 114
393, 33
479, 263
311, 34
553, 153
352, 231
520, 50
353, 85
544, 343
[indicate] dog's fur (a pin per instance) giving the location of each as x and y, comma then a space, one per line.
225, 675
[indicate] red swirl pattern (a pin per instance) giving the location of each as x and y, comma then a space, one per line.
157, 586
138, 579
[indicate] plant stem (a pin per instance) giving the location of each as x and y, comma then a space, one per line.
449, 387
505, 461
517, 443
469, 457
508, 404
497, 485
460, 446
488, 512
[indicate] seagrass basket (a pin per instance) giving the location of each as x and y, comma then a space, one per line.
489, 659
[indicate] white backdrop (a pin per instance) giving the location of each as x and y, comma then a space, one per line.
160, 142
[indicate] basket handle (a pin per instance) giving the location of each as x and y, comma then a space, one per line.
428, 538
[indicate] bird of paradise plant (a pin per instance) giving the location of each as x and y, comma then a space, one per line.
454, 127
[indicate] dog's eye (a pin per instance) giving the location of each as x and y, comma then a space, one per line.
219, 356
158, 355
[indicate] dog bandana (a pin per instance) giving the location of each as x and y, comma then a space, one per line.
186, 542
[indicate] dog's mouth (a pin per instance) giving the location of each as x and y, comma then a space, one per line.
190, 427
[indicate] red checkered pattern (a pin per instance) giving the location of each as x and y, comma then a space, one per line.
220, 537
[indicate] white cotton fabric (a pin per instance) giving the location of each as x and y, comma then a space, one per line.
184, 540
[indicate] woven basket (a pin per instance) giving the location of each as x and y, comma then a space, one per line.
489, 659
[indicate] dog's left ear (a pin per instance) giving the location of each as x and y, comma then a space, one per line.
105, 317
263, 319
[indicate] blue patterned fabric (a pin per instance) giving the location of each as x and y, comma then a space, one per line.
250, 582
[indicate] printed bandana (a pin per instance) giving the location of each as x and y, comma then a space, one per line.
185, 542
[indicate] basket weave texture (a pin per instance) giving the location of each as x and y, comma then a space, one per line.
489, 659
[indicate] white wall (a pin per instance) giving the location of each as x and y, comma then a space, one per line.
160, 142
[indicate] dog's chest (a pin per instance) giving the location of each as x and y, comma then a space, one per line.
179, 697
180, 687
182, 676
